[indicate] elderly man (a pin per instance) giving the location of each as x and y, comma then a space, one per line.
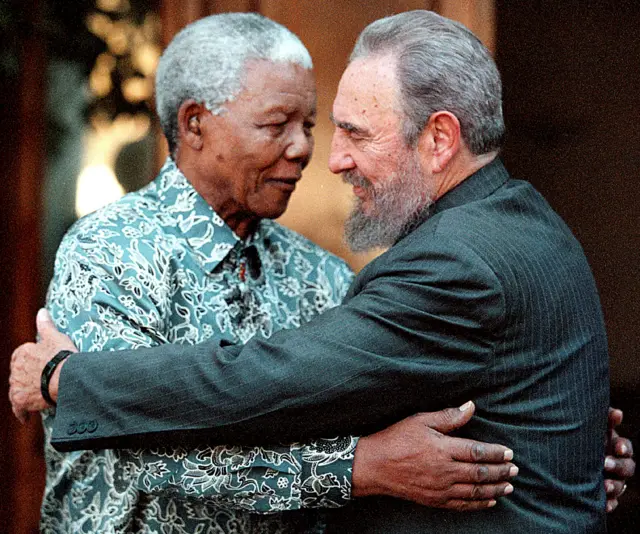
483, 294
194, 255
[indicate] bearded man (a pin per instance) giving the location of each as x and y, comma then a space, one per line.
484, 294
195, 255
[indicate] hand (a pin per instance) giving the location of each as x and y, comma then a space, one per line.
414, 460
618, 464
27, 363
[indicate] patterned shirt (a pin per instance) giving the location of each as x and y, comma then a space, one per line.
160, 266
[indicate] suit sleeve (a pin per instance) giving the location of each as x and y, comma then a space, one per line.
99, 301
411, 339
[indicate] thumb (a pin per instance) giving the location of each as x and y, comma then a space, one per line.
47, 332
44, 324
449, 419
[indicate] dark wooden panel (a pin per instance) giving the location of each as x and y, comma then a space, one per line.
23, 118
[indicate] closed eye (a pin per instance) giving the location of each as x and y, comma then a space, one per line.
308, 127
275, 128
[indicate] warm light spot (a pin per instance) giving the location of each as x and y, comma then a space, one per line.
117, 38
99, 24
97, 187
100, 82
137, 89
145, 57
106, 61
97, 184
112, 6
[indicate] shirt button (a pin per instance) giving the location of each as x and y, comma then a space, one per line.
72, 428
82, 428
92, 426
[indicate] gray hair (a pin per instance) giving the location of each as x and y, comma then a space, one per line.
441, 66
206, 62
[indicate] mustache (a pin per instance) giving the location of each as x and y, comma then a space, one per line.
355, 179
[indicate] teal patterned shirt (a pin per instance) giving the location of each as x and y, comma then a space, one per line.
160, 266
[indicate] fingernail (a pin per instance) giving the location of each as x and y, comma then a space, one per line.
623, 449
608, 486
513, 471
43, 314
491, 504
508, 489
609, 463
609, 508
508, 455
465, 406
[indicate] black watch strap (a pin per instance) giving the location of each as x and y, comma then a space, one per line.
47, 373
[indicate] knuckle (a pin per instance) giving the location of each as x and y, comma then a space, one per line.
478, 451
482, 473
504, 472
476, 493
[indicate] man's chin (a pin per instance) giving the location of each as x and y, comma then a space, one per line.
363, 232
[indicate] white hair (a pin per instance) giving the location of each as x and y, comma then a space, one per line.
441, 66
206, 62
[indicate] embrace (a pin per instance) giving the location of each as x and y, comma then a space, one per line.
221, 353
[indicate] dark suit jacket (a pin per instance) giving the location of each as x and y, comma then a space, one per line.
489, 299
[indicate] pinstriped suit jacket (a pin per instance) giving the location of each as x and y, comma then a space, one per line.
491, 299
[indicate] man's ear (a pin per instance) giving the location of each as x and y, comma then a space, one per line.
439, 141
190, 114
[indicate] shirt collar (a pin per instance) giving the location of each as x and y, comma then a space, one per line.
192, 218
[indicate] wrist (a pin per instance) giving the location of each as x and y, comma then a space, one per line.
363, 477
50, 377
55, 380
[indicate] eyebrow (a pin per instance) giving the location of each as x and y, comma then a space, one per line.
347, 126
288, 110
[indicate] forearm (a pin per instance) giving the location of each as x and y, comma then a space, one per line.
261, 480
213, 393
353, 370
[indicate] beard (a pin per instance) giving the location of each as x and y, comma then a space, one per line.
398, 204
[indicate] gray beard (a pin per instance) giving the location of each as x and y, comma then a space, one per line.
397, 206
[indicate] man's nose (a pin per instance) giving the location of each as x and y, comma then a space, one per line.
300, 146
339, 158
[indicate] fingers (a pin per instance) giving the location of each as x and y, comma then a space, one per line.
449, 419
21, 415
468, 450
460, 505
483, 473
622, 468
615, 417
622, 447
480, 492
614, 488
469, 497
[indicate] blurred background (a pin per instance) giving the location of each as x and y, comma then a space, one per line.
77, 130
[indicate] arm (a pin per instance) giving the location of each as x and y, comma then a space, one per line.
117, 302
363, 363
412, 460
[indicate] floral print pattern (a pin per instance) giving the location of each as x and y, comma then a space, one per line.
160, 266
